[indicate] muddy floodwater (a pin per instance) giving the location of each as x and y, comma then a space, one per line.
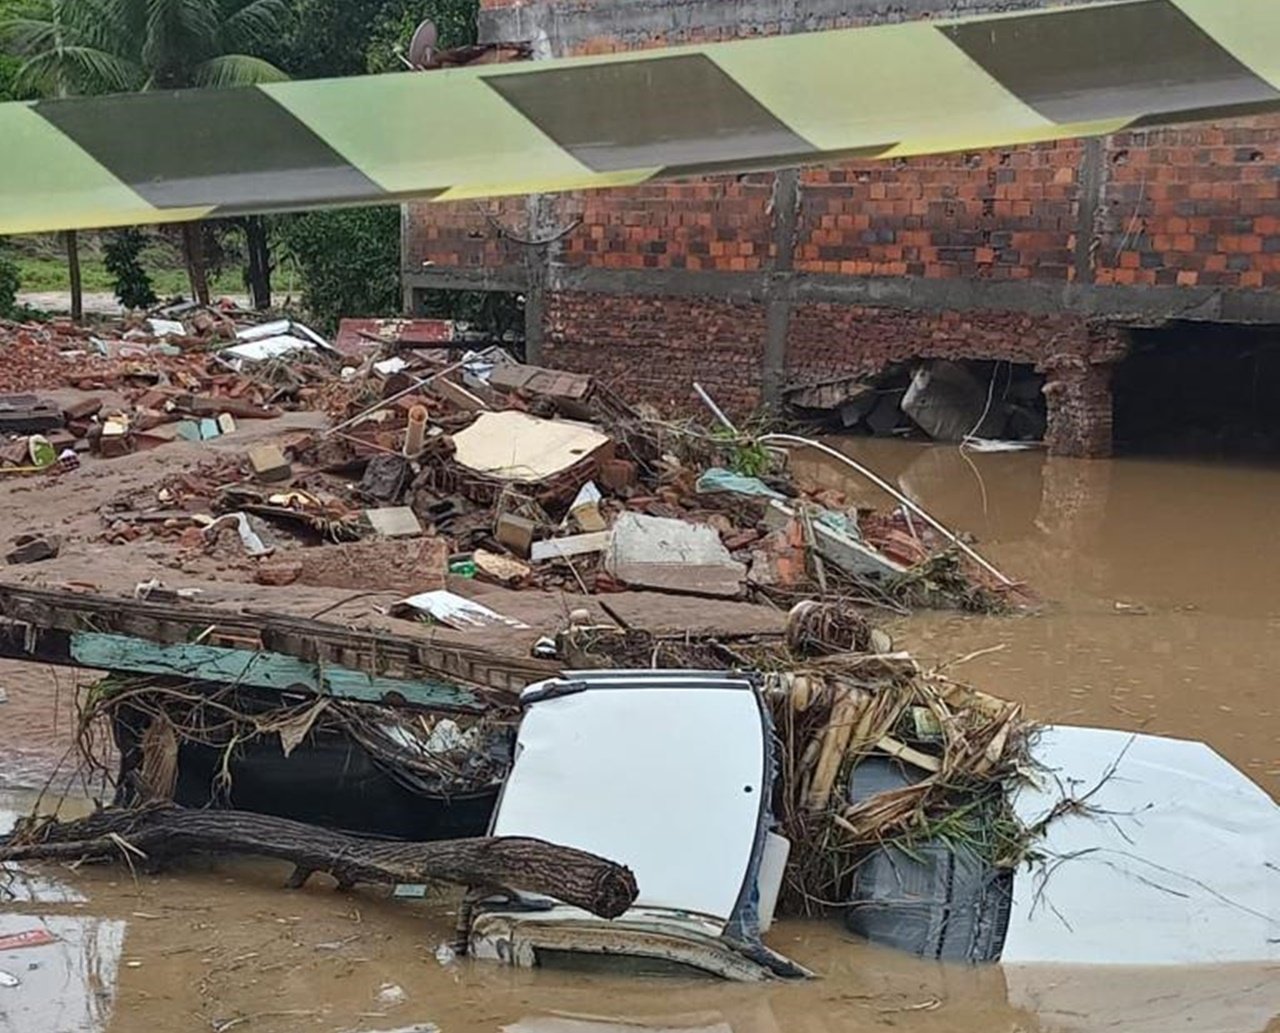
1161, 587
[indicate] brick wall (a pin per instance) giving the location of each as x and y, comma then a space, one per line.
1192, 205
1008, 214
653, 349
1073, 353
1163, 209
830, 339
469, 235
722, 224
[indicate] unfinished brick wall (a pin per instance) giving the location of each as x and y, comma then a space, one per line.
720, 224
1192, 206
1002, 215
653, 349
466, 234
1160, 209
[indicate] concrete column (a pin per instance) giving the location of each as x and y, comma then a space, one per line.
1089, 187
785, 209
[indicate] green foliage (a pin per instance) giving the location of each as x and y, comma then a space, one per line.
121, 256
329, 38
97, 46
495, 312
9, 281
393, 28
348, 261
9, 65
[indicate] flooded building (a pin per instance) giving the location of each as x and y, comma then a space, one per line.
1134, 273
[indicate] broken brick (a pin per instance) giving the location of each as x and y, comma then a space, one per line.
269, 464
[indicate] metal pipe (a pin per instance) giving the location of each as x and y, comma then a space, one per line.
415, 434
883, 485
715, 409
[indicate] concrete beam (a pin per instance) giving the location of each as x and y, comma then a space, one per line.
564, 25
1138, 306
512, 278
676, 283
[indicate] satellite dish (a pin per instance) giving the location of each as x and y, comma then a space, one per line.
422, 48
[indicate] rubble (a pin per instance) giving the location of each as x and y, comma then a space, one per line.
653, 552
395, 540
969, 402
32, 548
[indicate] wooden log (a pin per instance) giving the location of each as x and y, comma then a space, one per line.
163, 831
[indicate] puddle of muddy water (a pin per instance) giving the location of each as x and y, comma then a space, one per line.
1191, 651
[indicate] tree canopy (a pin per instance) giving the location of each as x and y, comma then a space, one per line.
98, 46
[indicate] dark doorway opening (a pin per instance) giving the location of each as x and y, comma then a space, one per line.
1199, 389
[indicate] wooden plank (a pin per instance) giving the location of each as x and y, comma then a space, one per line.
575, 545
263, 670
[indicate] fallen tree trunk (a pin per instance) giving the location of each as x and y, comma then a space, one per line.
163, 831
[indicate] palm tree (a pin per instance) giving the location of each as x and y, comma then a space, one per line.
73, 47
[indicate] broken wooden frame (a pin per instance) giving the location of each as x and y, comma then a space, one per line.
255, 649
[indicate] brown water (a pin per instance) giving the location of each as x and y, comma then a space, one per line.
1162, 615
1161, 581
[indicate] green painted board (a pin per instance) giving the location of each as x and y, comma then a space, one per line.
260, 670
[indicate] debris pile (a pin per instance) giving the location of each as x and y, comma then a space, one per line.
993, 405
526, 476
446, 491
187, 373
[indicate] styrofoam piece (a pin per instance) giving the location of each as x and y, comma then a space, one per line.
392, 365
1156, 852
276, 328
166, 328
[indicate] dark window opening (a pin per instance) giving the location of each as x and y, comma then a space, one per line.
1199, 389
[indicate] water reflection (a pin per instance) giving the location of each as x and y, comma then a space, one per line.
1080, 1000
66, 986
20, 885
1237, 999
